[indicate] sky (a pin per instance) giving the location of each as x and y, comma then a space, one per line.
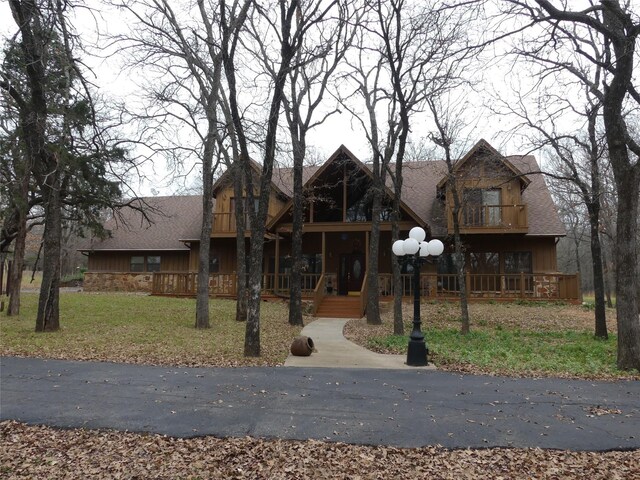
339, 129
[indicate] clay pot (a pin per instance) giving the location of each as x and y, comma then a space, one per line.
301, 346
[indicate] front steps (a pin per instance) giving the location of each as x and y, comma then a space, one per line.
339, 306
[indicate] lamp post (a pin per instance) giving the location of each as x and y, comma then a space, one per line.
416, 250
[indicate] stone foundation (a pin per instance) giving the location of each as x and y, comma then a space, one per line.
117, 282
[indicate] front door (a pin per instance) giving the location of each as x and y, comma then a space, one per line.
351, 274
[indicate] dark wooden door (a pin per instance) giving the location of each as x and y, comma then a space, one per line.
351, 274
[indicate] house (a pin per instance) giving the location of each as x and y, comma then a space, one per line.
509, 227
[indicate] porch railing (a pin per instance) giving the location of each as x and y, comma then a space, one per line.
225, 284
537, 286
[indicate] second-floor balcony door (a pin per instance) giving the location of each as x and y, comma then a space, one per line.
491, 202
482, 207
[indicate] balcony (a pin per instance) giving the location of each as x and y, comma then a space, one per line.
491, 219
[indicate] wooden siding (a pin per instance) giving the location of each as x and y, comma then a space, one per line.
487, 172
224, 219
121, 261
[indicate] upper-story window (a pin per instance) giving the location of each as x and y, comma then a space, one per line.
482, 206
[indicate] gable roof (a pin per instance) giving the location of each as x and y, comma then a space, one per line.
257, 170
483, 145
172, 218
316, 172
543, 219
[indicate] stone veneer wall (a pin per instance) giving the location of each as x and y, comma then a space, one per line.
117, 282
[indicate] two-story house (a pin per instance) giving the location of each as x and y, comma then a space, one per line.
508, 222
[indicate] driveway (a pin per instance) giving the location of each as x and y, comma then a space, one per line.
406, 408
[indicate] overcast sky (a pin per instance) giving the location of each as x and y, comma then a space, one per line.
339, 129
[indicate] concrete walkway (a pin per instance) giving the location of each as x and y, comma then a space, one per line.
335, 351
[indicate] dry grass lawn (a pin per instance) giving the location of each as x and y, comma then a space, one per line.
145, 330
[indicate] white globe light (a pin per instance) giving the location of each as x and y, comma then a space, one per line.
424, 249
436, 247
398, 248
410, 246
417, 233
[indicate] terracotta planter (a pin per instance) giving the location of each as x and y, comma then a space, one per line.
301, 346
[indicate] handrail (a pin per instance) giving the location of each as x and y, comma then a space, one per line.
363, 295
318, 294
491, 216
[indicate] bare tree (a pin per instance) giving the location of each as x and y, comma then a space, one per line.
183, 47
447, 128
614, 28
407, 52
293, 21
307, 84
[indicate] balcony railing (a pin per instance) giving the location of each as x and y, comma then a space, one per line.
484, 218
538, 286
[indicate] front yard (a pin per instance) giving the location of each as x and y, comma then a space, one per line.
509, 339
505, 339
144, 329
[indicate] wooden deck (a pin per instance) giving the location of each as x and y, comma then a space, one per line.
499, 287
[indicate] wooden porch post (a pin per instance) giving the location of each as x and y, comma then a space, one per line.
277, 263
344, 193
324, 253
366, 247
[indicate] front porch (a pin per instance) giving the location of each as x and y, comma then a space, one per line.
317, 287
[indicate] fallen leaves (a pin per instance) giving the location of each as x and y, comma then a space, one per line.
43, 452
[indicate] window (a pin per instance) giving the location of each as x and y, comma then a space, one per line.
153, 263
137, 264
482, 207
517, 262
485, 270
447, 273
214, 263
232, 205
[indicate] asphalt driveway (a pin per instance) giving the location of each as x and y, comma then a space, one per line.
407, 408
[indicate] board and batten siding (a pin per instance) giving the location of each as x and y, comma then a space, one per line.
170, 261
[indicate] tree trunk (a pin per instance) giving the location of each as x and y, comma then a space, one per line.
252, 332
202, 299
598, 275
48, 318
241, 244
373, 306
459, 256
606, 265
627, 308
17, 266
398, 320
295, 289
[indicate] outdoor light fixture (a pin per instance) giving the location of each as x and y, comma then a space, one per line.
415, 251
